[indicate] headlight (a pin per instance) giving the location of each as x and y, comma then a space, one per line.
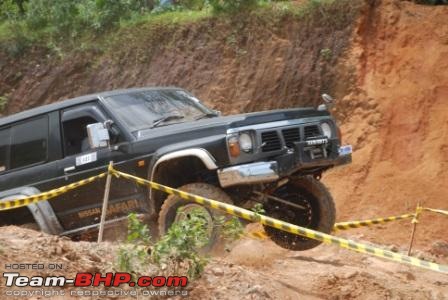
326, 129
246, 143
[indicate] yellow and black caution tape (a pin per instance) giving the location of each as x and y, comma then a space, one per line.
439, 211
364, 223
16, 203
294, 229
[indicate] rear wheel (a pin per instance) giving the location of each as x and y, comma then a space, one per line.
317, 212
169, 212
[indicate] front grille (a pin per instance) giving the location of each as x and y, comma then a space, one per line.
311, 131
290, 136
271, 141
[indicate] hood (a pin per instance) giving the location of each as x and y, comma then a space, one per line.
220, 124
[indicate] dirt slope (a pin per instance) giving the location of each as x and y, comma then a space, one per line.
399, 120
236, 65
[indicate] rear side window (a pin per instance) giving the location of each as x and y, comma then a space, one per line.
4, 148
29, 143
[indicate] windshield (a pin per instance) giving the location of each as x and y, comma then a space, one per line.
145, 109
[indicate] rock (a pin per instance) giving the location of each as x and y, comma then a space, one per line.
350, 274
58, 250
257, 289
217, 271
439, 248
95, 258
393, 248
345, 290
332, 279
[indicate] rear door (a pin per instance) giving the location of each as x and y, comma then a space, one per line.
27, 155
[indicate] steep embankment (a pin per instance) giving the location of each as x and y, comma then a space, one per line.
262, 61
397, 118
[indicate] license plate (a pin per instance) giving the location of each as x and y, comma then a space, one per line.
345, 150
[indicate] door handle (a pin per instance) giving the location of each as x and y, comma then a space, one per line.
69, 169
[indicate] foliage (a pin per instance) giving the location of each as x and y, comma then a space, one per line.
326, 53
232, 229
232, 6
11, 9
133, 255
3, 102
258, 210
178, 249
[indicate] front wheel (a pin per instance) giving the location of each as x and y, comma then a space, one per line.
317, 211
169, 213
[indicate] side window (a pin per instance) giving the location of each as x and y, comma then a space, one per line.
75, 135
29, 143
74, 127
5, 139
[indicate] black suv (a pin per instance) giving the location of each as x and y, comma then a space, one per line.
166, 135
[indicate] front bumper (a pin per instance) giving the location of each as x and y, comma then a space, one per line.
269, 171
249, 173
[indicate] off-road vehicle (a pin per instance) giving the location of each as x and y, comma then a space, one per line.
168, 136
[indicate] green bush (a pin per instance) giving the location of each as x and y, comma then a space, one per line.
232, 6
177, 251
133, 255
3, 102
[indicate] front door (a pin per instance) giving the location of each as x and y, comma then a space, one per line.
82, 207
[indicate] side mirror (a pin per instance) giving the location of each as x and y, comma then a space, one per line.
98, 135
328, 102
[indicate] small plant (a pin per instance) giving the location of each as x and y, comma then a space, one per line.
177, 251
326, 53
258, 210
133, 254
3, 102
231, 230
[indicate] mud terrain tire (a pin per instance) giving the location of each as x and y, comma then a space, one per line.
320, 212
168, 212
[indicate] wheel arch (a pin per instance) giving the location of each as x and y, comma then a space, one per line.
41, 212
178, 168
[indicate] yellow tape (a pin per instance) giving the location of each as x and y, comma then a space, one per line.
439, 211
364, 223
358, 224
16, 203
309, 233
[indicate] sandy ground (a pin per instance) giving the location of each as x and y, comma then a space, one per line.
253, 269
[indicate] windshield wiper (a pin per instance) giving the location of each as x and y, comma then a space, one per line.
206, 115
166, 118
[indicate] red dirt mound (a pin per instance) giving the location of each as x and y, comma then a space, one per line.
397, 119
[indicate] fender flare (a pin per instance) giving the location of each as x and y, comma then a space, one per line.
207, 159
42, 211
